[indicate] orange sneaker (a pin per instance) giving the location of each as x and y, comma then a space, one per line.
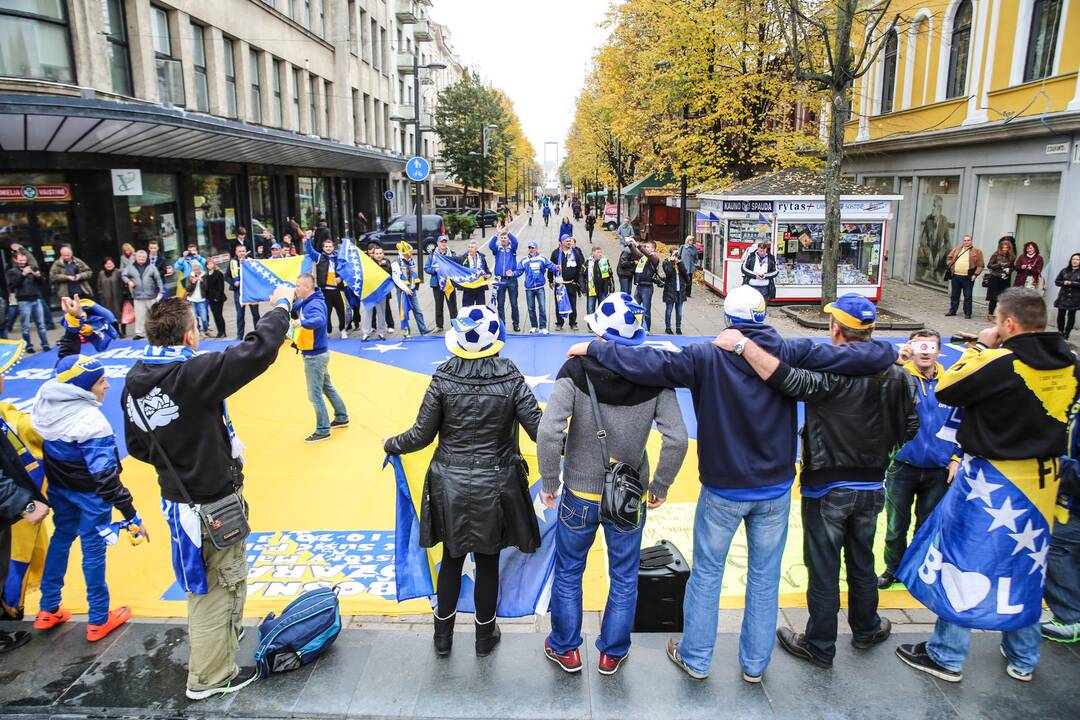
117, 617
46, 619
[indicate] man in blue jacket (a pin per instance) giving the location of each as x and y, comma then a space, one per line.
746, 461
312, 342
535, 267
924, 467
504, 249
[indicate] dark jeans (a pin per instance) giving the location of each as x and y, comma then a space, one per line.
1063, 571
843, 520
1066, 320
473, 296
905, 484
571, 295
335, 302
677, 307
509, 288
625, 284
965, 283
216, 309
643, 295
440, 300
996, 287
240, 315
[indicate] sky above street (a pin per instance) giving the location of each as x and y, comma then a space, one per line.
538, 53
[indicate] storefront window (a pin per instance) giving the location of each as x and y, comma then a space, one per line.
1022, 205
802, 245
903, 233
215, 212
936, 214
261, 188
34, 40
155, 215
311, 198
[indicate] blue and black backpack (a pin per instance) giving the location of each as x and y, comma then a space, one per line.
306, 629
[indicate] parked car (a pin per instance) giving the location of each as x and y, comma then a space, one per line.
404, 228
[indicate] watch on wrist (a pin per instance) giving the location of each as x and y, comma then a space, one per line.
740, 346
30, 508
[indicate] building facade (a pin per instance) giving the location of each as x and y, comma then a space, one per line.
972, 113
126, 121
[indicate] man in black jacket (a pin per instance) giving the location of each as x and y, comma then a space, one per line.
181, 400
853, 424
571, 264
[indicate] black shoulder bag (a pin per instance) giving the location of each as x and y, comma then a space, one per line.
225, 520
621, 500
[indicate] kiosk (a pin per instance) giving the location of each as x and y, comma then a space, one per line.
787, 210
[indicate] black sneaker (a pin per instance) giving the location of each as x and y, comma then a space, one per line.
339, 423
245, 677
916, 656
795, 643
140, 337
316, 437
885, 580
45, 348
1014, 672
880, 636
29, 350
950, 314
12, 640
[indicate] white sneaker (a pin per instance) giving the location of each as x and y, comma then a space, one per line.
389, 331
364, 337
544, 331
344, 335
533, 331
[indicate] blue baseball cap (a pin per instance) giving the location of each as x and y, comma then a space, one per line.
854, 311
533, 245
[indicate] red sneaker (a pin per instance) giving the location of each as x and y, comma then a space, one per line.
609, 665
46, 619
568, 661
116, 618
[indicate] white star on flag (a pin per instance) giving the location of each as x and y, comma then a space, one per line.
981, 489
468, 567
1025, 539
539, 507
1004, 516
663, 345
1039, 558
383, 348
440, 362
534, 380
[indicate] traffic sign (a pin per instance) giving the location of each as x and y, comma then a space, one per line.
389, 195
418, 169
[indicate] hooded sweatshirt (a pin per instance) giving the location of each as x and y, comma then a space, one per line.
80, 447
630, 407
926, 450
746, 430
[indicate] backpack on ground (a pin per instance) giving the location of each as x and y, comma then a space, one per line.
306, 629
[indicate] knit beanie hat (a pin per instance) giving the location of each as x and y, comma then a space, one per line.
79, 370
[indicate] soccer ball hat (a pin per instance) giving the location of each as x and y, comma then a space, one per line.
618, 319
475, 333
744, 304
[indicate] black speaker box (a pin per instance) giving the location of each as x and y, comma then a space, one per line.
662, 578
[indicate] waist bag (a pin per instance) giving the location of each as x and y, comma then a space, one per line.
306, 629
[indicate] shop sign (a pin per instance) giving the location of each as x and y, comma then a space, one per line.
127, 182
816, 208
1057, 148
748, 206
53, 192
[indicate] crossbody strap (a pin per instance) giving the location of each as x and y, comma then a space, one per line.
161, 451
601, 433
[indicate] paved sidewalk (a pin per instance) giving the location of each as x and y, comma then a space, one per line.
139, 672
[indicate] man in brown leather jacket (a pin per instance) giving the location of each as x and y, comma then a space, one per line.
965, 262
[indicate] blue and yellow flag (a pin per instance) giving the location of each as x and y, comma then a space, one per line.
364, 280
259, 278
458, 274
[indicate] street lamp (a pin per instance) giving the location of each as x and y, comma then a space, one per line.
419, 149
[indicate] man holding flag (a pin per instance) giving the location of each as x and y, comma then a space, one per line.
441, 290
408, 282
979, 561
474, 292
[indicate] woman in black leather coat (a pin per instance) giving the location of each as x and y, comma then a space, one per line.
476, 494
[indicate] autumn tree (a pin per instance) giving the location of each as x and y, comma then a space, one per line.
464, 109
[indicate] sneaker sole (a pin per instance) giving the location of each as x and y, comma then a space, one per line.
753, 679
930, 671
339, 426
690, 673
315, 440
564, 668
212, 692
1011, 672
615, 669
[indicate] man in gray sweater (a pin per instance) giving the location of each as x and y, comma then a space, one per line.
627, 411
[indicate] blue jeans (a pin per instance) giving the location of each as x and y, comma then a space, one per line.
625, 284
590, 303
508, 287
77, 514
1063, 571
643, 295
715, 523
46, 312
574, 535
240, 315
948, 647
317, 374
421, 327
668, 307
538, 297
31, 310
202, 314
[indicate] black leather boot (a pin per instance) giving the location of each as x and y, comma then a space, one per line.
487, 637
444, 633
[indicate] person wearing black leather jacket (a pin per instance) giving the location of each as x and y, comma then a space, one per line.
853, 425
476, 495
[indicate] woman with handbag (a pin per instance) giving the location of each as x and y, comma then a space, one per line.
1029, 267
998, 272
476, 493
607, 482
1068, 299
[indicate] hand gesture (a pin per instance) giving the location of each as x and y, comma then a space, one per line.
904, 354
727, 339
581, 349
550, 500
70, 306
282, 292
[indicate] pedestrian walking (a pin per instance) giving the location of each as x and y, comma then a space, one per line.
598, 277
923, 469
566, 227
1029, 267
645, 272
568, 261
840, 482
234, 283
504, 247
195, 285
676, 290
547, 215
625, 233
311, 339
688, 258
25, 283
998, 274
1062, 593
476, 492
994, 520
745, 479
590, 225
110, 291
535, 267
442, 291
215, 295
578, 458
759, 270
964, 264
70, 276
146, 287
1068, 298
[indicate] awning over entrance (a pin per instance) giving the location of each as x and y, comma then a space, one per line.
651, 181
35, 123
